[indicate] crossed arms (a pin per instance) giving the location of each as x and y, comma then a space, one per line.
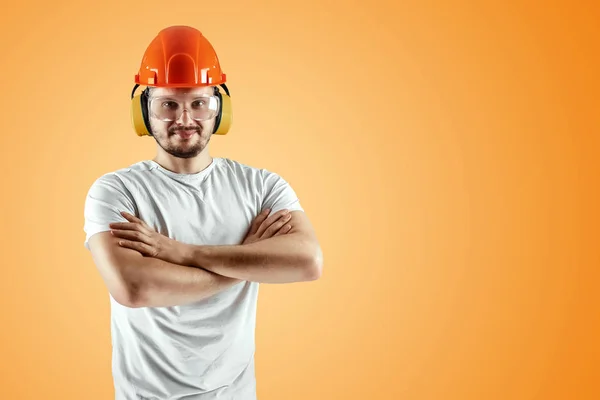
142, 268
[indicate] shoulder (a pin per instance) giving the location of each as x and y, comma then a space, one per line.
126, 173
270, 186
235, 167
245, 174
120, 179
240, 169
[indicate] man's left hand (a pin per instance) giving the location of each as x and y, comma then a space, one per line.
137, 235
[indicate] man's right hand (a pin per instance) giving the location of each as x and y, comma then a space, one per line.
265, 226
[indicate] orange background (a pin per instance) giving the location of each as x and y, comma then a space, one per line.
445, 152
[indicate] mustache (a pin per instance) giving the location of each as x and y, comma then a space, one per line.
185, 128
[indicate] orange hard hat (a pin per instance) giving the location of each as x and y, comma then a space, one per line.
180, 56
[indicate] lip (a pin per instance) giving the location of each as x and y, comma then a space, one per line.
186, 134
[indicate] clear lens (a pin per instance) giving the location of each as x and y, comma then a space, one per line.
170, 109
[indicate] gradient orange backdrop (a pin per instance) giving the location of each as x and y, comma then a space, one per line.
446, 153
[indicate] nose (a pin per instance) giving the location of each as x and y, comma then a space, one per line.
184, 118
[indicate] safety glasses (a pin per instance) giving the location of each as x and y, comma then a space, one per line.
199, 108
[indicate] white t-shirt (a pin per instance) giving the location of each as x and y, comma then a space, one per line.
203, 350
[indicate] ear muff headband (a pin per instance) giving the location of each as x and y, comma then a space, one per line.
141, 120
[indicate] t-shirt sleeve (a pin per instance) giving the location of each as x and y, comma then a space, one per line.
105, 200
278, 194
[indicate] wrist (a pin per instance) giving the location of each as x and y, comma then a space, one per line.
187, 252
196, 256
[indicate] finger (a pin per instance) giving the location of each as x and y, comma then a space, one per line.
134, 226
132, 235
275, 226
134, 219
131, 217
259, 220
284, 229
269, 221
133, 245
126, 226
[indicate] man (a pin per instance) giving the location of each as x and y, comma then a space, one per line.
183, 241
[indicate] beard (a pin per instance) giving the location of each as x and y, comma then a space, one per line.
183, 149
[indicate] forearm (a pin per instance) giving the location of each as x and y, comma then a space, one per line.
280, 259
156, 283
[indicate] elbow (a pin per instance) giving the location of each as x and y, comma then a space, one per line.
314, 265
129, 295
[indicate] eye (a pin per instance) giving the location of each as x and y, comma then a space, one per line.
169, 104
199, 103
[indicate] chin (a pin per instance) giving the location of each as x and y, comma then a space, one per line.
184, 154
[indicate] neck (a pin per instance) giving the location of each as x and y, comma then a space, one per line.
184, 165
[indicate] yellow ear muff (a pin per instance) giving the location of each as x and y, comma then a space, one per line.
224, 122
137, 116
